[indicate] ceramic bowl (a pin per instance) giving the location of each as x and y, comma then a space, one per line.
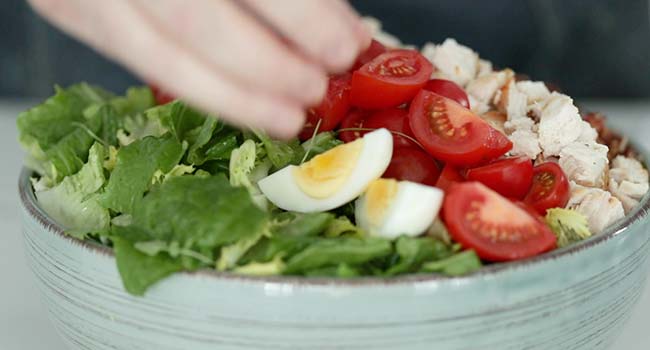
572, 298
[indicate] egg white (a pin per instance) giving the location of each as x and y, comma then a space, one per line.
410, 212
282, 190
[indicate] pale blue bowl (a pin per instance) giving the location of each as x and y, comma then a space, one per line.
572, 298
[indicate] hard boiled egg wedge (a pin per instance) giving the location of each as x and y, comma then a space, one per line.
391, 208
332, 178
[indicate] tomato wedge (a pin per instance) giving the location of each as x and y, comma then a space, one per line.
550, 188
332, 109
393, 119
452, 133
355, 119
510, 177
160, 96
375, 49
497, 229
411, 164
390, 79
448, 176
448, 89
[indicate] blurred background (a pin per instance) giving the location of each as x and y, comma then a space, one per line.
597, 48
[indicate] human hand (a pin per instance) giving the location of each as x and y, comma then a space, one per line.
255, 62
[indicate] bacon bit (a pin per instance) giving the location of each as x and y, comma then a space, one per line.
618, 145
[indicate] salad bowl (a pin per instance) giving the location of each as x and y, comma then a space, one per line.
576, 297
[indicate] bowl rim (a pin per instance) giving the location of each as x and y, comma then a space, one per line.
29, 202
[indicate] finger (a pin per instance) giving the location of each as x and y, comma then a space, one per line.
237, 45
323, 29
361, 30
119, 31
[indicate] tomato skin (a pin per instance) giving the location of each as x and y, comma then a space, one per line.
412, 164
355, 119
160, 96
550, 188
510, 177
390, 79
497, 229
452, 133
448, 89
393, 119
448, 176
375, 49
332, 109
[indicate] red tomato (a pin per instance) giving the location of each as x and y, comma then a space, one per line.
411, 164
332, 110
452, 133
390, 79
355, 119
511, 177
375, 49
497, 229
393, 119
550, 188
160, 96
448, 89
448, 176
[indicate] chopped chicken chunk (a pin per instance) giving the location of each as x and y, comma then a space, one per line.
511, 101
496, 119
453, 61
535, 91
374, 26
524, 143
585, 163
484, 68
587, 133
599, 206
483, 89
628, 181
559, 124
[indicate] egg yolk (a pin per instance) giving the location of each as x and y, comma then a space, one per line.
324, 174
379, 195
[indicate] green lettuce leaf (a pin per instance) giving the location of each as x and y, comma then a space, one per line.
320, 143
213, 141
458, 264
139, 270
341, 271
413, 252
334, 251
176, 117
569, 226
343, 226
73, 203
136, 101
135, 166
201, 213
273, 267
299, 224
280, 153
284, 246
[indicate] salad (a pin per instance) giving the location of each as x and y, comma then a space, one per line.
416, 161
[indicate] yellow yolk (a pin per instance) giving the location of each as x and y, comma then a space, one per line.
324, 175
379, 195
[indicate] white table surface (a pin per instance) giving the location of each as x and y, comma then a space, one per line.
24, 323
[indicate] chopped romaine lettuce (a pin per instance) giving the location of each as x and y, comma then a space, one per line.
458, 264
414, 251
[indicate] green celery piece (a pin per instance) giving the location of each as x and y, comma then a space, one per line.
199, 213
458, 264
138, 270
334, 251
413, 252
73, 203
136, 164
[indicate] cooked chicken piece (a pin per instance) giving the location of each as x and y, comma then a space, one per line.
585, 163
560, 124
484, 68
495, 119
453, 61
483, 89
599, 206
524, 143
535, 91
587, 133
628, 181
521, 123
477, 106
511, 101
